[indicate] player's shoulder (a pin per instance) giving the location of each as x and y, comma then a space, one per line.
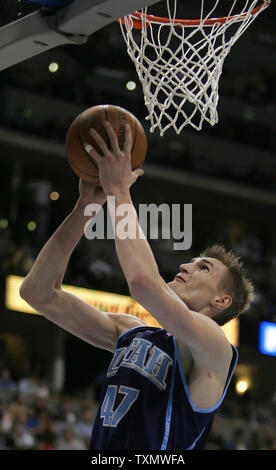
124, 322
212, 342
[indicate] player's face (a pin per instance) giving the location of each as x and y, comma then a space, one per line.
197, 283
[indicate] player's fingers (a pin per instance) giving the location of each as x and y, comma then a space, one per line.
113, 138
91, 151
101, 143
138, 172
128, 139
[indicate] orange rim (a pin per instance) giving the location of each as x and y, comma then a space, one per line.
137, 18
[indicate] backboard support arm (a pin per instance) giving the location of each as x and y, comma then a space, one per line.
42, 30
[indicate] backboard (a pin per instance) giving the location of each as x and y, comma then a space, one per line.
42, 26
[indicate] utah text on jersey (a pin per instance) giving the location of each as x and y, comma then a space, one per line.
144, 357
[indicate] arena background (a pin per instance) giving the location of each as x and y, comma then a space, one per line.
50, 380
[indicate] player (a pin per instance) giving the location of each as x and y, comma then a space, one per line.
163, 385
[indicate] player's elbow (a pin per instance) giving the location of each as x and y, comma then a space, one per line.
25, 291
33, 295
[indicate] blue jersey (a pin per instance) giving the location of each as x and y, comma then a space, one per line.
146, 403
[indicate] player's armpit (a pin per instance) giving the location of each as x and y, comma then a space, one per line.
200, 333
101, 329
125, 322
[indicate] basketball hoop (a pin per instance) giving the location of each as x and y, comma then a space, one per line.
179, 61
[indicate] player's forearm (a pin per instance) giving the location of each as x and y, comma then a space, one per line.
48, 270
134, 254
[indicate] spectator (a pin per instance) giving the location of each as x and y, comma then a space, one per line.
16, 409
69, 441
44, 432
6, 381
34, 385
32, 421
20, 438
28, 385
269, 444
48, 443
42, 390
84, 426
238, 442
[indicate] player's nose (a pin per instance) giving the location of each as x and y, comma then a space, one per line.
186, 268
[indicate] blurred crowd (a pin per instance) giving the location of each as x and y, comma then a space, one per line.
244, 426
33, 418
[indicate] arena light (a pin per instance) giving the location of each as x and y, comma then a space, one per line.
267, 338
54, 196
27, 113
131, 86
4, 223
242, 385
53, 67
31, 225
104, 301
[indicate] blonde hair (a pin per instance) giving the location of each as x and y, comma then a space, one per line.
235, 283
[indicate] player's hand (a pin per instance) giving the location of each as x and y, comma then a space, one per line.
114, 165
89, 193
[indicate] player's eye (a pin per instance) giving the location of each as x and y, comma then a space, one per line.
204, 267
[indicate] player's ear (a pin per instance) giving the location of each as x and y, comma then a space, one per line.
221, 302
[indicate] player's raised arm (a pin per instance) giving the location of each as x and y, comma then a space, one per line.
42, 286
47, 272
146, 285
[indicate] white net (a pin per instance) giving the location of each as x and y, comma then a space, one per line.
179, 65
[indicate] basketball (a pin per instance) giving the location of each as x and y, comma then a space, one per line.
80, 160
